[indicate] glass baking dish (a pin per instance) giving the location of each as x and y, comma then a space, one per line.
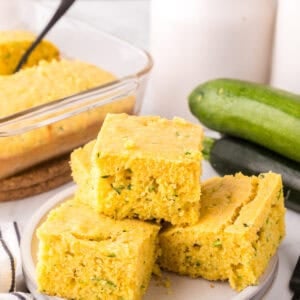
79, 40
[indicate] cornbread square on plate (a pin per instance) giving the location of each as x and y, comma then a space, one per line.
81, 172
148, 167
85, 255
240, 228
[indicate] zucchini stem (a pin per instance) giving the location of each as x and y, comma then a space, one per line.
208, 143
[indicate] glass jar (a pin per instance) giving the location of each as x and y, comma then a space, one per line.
196, 40
286, 60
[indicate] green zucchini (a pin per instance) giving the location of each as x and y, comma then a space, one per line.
261, 114
230, 155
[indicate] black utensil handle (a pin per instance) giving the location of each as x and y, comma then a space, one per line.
295, 279
61, 10
296, 297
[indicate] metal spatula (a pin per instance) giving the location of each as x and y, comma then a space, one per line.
61, 10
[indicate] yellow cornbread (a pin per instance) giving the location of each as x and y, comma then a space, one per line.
13, 45
81, 168
85, 255
149, 168
240, 228
42, 84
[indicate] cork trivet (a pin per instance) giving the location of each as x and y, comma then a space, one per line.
37, 174
36, 180
36, 188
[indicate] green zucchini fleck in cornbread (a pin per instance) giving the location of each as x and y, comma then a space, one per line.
85, 255
13, 45
148, 168
241, 226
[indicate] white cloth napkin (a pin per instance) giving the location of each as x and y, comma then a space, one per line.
12, 286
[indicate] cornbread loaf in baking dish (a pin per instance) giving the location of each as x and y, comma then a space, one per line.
148, 167
240, 228
47, 82
85, 255
13, 45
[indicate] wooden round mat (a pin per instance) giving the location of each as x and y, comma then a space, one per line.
36, 180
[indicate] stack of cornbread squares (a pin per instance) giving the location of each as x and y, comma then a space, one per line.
138, 202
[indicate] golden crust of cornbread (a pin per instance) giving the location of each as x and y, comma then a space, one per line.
148, 167
45, 83
85, 255
13, 45
240, 228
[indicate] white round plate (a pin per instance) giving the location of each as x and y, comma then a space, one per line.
182, 288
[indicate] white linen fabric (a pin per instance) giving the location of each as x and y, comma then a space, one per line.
12, 286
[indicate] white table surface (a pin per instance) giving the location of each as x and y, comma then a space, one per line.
129, 19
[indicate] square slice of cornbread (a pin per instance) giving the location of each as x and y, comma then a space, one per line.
149, 168
85, 255
240, 228
81, 172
